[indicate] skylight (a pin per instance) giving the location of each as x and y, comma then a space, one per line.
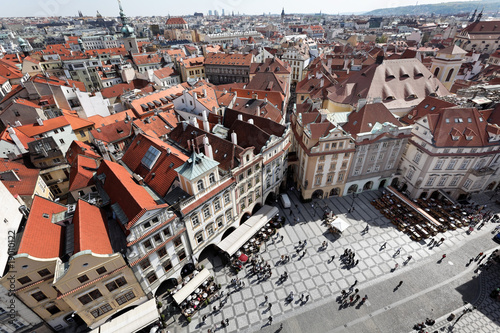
150, 157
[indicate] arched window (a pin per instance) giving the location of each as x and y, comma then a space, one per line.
436, 72
450, 73
211, 178
200, 185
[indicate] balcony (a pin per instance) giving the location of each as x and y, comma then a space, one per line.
485, 171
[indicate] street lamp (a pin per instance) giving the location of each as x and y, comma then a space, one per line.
466, 310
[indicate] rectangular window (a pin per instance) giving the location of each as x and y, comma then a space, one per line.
101, 310
166, 232
467, 183
229, 216
320, 168
39, 296
162, 252
439, 164
341, 177
442, 181
125, 298
206, 212
430, 181
177, 242
181, 254
157, 238
227, 198
24, 280
83, 278
451, 165
410, 173
147, 245
61, 141
454, 181
464, 165
115, 284
145, 264
195, 220
167, 265
151, 277
91, 296
417, 157
52, 309
150, 157
101, 270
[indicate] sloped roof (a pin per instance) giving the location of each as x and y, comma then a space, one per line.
90, 229
267, 81
113, 132
384, 81
80, 148
82, 172
175, 21
458, 121
196, 165
48, 125
452, 49
257, 107
483, 27
42, 238
28, 178
225, 59
274, 65
122, 189
162, 174
363, 120
428, 105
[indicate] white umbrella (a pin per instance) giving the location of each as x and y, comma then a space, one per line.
340, 224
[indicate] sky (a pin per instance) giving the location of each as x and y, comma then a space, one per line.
188, 7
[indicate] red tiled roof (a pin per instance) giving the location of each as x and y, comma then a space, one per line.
113, 132
48, 125
165, 72
225, 59
193, 62
42, 238
484, 27
77, 148
146, 58
154, 125
119, 89
362, 121
162, 175
101, 121
175, 21
121, 189
428, 105
28, 178
77, 122
81, 173
42, 79
90, 228
23, 138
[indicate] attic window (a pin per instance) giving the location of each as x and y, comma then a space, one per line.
390, 98
469, 137
157, 103
412, 96
433, 108
151, 105
45, 215
410, 116
447, 120
455, 138
150, 157
469, 120
459, 120
426, 106
144, 107
481, 119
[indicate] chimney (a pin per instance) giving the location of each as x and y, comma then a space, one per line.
322, 82
250, 121
39, 121
361, 102
234, 138
240, 117
16, 140
258, 110
208, 148
206, 124
204, 92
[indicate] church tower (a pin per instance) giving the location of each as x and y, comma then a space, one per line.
446, 65
283, 15
129, 39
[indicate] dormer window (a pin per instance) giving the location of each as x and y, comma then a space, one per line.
455, 137
469, 137
447, 120
390, 98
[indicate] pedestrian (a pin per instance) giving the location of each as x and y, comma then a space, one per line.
356, 263
305, 242
297, 206
282, 237
270, 319
227, 322
300, 244
333, 258
307, 298
291, 212
269, 306
301, 297
397, 252
204, 318
222, 323
408, 258
298, 251
353, 208
444, 256
265, 299
383, 245
431, 241
400, 283
355, 283
215, 308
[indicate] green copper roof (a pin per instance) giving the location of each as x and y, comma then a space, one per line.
196, 165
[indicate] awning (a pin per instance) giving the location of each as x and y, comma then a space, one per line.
340, 224
133, 320
409, 203
247, 230
191, 286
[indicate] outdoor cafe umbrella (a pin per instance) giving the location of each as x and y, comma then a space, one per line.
243, 257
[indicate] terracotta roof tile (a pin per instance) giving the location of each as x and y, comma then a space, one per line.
90, 229
225, 59
362, 121
121, 189
28, 178
114, 132
48, 125
40, 227
82, 172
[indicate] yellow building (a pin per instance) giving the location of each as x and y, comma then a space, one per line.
192, 68
69, 283
446, 65
324, 153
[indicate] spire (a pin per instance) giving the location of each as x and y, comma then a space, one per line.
479, 15
472, 18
